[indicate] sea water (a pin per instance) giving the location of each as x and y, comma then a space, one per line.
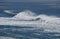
20, 32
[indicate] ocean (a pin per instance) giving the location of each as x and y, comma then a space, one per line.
27, 32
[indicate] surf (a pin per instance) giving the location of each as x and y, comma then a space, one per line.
29, 18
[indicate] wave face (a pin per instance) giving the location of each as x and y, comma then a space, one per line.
28, 18
27, 14
27, 29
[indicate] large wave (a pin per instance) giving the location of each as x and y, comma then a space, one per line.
48, 23
27, 14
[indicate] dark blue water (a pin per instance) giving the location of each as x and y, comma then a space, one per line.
27, 32
38, 8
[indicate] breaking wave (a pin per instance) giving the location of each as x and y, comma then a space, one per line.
48, 23
27, 14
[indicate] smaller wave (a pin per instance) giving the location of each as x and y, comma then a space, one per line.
52, 19
9, 11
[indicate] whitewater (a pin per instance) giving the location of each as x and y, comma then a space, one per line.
28, 18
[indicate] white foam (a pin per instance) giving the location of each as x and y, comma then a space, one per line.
25, 15
9, 11
2, 37
51, 19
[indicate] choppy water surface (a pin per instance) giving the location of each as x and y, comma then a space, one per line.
47, 31
13, 32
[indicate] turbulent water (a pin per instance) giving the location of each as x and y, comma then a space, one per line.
29, 23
